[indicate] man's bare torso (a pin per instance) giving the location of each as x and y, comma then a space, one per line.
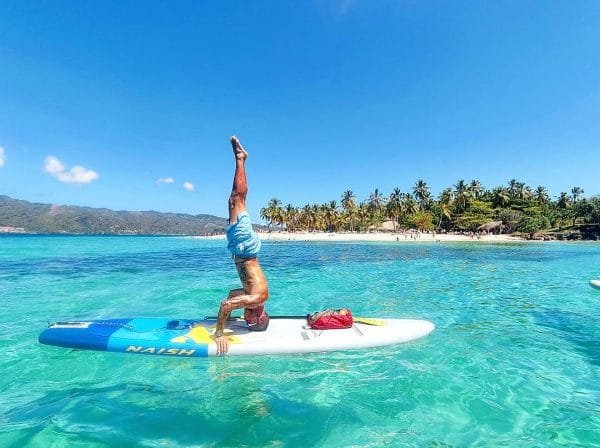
252, 276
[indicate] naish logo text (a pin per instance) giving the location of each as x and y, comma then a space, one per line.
159, 351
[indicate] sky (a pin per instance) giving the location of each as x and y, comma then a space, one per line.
129, 105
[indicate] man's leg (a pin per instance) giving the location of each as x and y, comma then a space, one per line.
237, 199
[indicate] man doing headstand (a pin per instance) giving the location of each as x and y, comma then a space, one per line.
244, 245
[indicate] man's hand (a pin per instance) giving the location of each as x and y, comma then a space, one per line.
222, 344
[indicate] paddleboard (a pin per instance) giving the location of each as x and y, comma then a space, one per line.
185, 338
595, 284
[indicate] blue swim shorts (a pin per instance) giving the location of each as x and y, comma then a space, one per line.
242, 241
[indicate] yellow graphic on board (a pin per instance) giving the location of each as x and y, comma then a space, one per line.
201, 335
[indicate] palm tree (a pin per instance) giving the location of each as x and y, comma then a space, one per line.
541, 195
409, 205
376, 200
445, 203
518, 190
320, 216
275, 211
576, 192
272, 212
394, 206
422, 194
500, 197
376, 204
462, 196
348, 199
264, 214
291, 217
364, 215
349, 206
524, 192
331, 215
513, 188
305, 217
476, 189
563, 201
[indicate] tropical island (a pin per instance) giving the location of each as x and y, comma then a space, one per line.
464, 208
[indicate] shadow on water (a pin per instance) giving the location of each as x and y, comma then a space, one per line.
583, 331
129, 414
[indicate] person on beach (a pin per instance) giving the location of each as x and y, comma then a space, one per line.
244, 245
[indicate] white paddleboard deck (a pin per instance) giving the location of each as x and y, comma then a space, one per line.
192, 338
294, 336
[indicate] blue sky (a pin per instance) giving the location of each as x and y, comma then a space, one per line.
325, 95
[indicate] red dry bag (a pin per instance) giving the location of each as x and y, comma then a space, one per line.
330, 319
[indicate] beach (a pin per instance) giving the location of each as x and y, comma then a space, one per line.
384, 237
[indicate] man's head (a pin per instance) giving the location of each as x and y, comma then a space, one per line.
256, 318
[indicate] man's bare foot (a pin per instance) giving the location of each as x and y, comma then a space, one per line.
238, 149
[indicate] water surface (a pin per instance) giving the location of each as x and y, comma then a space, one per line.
514, 361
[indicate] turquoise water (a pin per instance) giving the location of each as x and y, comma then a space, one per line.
514, 361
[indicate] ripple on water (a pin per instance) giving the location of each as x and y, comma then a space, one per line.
514, 360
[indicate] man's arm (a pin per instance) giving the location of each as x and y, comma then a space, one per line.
227, 306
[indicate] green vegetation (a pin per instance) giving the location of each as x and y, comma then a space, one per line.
466, 207
45, 218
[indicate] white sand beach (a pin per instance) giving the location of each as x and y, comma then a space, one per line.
377, 236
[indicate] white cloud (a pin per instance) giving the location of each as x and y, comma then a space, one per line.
76, 175
188, 186
2, 157
53, 165
165, 180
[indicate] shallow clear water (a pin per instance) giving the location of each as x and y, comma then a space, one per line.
514, 361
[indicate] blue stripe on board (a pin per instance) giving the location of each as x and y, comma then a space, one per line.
94, 337
155, 336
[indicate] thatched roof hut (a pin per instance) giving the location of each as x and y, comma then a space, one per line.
491, 227
388, 226
385, 226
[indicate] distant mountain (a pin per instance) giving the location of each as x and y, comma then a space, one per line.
46, 218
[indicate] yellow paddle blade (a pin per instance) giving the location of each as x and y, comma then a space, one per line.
370, 321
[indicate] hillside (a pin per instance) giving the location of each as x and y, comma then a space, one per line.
46, 218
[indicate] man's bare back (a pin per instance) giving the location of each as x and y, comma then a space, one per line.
252, 276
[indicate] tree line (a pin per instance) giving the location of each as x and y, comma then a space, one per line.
462, 207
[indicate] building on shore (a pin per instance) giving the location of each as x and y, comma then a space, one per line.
9, 229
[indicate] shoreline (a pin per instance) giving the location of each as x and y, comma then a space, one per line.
376, 237
328, 237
